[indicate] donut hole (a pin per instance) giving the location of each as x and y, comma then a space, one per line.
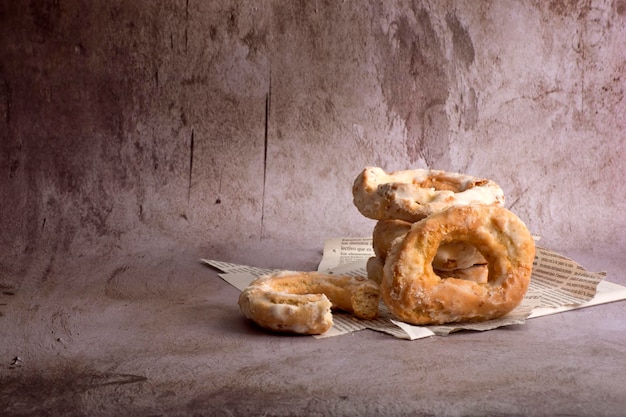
460, 259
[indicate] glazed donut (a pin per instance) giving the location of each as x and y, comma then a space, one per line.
412, 195
301, 302
450, 256
415, 294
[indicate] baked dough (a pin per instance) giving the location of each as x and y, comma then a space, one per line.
374, 268
385, 232
411, 195
301, 302
414, 293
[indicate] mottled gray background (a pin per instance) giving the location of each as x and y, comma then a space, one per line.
219, 123
131, 130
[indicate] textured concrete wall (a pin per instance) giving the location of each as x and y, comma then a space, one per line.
214, 123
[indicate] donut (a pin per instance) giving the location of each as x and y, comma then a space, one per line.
450, 256
301, 302
411, 195
414, 293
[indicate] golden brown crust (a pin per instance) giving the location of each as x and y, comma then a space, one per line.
301, 302
415, 294
385, 232
411, 195
374, 269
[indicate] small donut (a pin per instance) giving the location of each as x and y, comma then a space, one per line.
301, 302
411, 195
450, 256
414, 293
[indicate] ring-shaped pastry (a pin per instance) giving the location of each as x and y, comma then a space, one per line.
414, 293
411, 195
301, 302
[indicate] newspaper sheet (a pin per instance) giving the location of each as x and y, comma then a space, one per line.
558, 284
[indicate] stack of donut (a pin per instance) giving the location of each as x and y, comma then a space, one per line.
446, 250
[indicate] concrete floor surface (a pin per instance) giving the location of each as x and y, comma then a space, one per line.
155, 332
